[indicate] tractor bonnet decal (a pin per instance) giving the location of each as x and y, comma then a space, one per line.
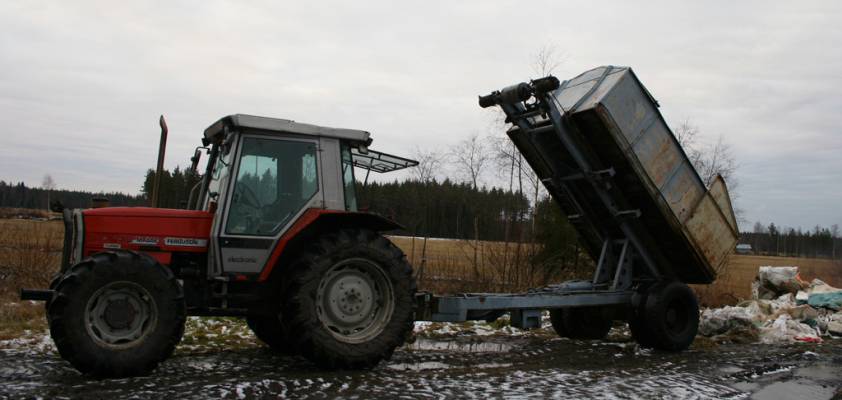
145, 240
186, 242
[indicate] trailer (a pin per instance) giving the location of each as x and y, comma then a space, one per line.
273, 234
606, 156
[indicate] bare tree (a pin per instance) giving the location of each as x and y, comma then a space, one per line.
718, 159
711, 160
48, 185
429, 163
546, 60
510, 164
686, 134
471, 157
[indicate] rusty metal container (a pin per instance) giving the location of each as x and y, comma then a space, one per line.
615, 123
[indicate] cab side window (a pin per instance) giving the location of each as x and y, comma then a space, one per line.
275, 179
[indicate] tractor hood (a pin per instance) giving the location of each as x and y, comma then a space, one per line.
144, 212
158, 231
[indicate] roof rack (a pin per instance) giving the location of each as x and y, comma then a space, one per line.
380, 162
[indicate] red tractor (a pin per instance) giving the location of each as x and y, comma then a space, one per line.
272, 233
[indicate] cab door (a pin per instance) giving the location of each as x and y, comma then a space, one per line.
274, 180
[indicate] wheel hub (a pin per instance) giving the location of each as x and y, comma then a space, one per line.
120, 314
355, 300
351, 298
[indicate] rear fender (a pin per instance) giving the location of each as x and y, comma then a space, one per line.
313, 224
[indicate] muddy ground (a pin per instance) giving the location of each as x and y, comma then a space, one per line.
220, 358
447, 364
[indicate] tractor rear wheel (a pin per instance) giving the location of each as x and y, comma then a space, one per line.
350, 301
587, 323
270, 331
117, 314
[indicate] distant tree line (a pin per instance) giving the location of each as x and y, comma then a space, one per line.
447, 209
18, 195
174, 188
775, 240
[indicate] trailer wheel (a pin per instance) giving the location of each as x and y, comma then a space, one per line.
557, 321
117, 314
350, 301
586, 323
270, 331
672, 316
637, 321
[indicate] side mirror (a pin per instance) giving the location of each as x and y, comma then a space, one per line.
197, 155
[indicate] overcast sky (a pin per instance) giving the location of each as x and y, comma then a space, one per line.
82, 83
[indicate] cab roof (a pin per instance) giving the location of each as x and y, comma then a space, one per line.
239, 121
360, 154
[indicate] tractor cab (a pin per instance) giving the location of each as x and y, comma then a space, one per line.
266, 176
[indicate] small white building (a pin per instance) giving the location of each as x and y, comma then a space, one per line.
743, 248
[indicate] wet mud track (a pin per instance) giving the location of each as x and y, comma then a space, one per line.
472, 367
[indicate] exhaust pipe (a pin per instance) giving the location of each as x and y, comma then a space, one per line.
162, 147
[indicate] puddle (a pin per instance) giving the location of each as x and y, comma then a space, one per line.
418, 366
459, 346
802, 390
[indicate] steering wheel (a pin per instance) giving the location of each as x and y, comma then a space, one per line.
251, 210
253, 202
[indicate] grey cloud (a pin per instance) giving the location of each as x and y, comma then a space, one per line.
82, 83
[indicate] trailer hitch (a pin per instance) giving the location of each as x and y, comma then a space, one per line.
519, 92
36, 294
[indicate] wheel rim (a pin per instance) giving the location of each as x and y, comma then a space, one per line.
677, 317
120, 314
355, 300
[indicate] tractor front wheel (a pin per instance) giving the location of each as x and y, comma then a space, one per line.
350, 300
117, 314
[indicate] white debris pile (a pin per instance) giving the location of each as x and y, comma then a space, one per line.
772, 282
501, 326
783, 309
29, 342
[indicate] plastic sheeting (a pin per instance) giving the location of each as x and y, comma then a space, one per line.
783, 309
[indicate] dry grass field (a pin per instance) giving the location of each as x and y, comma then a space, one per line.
734, 284
449, 268
30, 252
